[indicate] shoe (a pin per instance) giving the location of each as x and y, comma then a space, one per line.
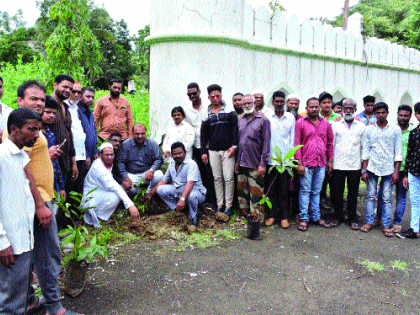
396, 228
269, 222
408, 234
284, 224
228, 212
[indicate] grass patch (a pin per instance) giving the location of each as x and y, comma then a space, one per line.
372, 266
400, 265
404, 292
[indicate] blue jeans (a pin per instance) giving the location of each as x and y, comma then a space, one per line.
414, 186
171, 195
401, 202
384, 199
310, 189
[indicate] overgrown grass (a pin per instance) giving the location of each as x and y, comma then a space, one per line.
372, 266
400, 265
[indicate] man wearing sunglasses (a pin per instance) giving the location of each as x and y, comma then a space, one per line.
219, 141
194, 114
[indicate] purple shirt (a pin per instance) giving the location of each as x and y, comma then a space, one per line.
317, 141
254, 141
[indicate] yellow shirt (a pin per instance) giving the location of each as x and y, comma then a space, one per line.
41, 166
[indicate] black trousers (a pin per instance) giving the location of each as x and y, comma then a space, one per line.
293, 195
206, 176
337, 193
278, 193
326, 181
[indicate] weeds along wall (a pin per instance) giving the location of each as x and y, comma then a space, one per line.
243, 49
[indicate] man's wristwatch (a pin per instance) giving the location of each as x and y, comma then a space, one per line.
364, 172
182, 198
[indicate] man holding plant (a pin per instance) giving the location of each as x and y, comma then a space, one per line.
252, 159
316, 157
282, 136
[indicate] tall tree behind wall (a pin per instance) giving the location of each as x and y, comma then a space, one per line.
141, 58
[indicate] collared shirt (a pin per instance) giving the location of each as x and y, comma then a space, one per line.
195, 117
100, 176
317, 142
184, 133
254, 141
79, 136
4, 115
282, 134
382, 147
266, 111
58, 176
113, 117
405, 135
333, 116
88, 124
187, 171
17, 206
412, 161
365, 120
348, 145
135, 160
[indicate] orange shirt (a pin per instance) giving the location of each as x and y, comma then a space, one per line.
112, 117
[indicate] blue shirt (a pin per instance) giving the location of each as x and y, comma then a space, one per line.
365, 120
58, 176
187, 171
88, 124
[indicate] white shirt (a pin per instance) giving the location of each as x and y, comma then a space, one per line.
184, 133
382, 147
17, 206
282, 133
100, 176
78, 132
194, 117
266, 111
4, 115
348, 145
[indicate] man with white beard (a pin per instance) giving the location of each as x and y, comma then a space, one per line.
348, 133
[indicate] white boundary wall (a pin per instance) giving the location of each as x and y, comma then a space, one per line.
229, 43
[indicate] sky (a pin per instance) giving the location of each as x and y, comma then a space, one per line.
137, 12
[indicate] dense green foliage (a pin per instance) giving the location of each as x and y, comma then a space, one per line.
387, 19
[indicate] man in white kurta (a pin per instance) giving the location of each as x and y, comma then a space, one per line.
101, 203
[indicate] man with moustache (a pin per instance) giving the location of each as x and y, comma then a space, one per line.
139, 160
260, 105
292, 103
17, 211
102, 202
382, 156
314, 159
348, 133
282, 136
113, 113
252, 159
237, 103
115, 139
368, 116
194, 114
186, 188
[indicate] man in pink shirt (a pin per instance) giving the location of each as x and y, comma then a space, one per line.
314, 159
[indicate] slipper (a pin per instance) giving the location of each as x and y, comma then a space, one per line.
303, 225
322, 223
366, 227
38, 306
355, 226
335, 223
387, 231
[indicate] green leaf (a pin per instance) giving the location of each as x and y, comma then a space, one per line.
269, 204
262, 201
280, 169
292, 152
68, 239
277, 153
290, 172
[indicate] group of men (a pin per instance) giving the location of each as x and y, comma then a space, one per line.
233, 144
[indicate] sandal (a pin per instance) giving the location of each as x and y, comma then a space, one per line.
322, 223
387, 231
303, 225
39, 305
354, 226
366, 227
335, 223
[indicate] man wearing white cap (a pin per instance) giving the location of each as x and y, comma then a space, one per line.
259, 104
102, 202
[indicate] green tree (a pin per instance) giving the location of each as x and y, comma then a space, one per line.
10, 23
141, 58
385, 19
14, 45
414, 30
72, 47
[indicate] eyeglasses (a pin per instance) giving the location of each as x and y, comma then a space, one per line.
78, 92
192, 94
218, 96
